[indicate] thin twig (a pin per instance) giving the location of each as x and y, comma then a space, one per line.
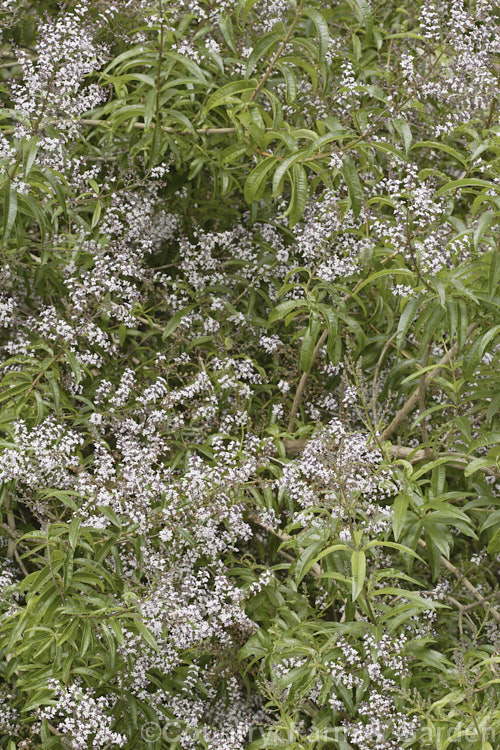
468, 585
167, 129
278, 52
65, 742
421, 395
378, 366
413, 400
315, 569
413, 455
463, 609
303, 380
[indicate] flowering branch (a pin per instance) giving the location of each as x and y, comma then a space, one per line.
413, 455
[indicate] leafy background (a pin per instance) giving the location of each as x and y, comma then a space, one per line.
249, 339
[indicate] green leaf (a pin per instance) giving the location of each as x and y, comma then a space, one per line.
262, 47
30, 207
422, 371
310, 557
243, 9
353, 185
110, 642
477, 350
73, 532
393, 545
307, 348
290, 81
96, 215
110, 514
477, 464
283, 309
321, 28
175, 321
42, 697
146, 634
155, 149
227, 94
494, 273
10, 211
281, 171
366, 15
226, 27
399, 511
470, 182
74, 364
255, 182
385, 272
299, 194
358, 569
407, 318
436, 145
29, 156
404, 131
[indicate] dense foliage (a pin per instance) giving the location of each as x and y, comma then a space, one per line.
249, 337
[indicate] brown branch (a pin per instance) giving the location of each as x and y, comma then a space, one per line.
65, 742
464, 609
414, 455
468, 585
277, 54
166, 129
302, 382
410, 404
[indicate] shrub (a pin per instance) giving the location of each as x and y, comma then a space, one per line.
249, 335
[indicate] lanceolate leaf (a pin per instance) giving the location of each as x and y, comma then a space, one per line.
364, 10
249, 343
353, 184
257, 177
358, 570
299, 194
321, 28
10, 211
228, 94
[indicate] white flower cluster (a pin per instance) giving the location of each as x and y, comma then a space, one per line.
42, 457
52, 90
370, 674
380, 724
465, 82
9, 716
417, 230
85, 719
341, 471
329, 246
